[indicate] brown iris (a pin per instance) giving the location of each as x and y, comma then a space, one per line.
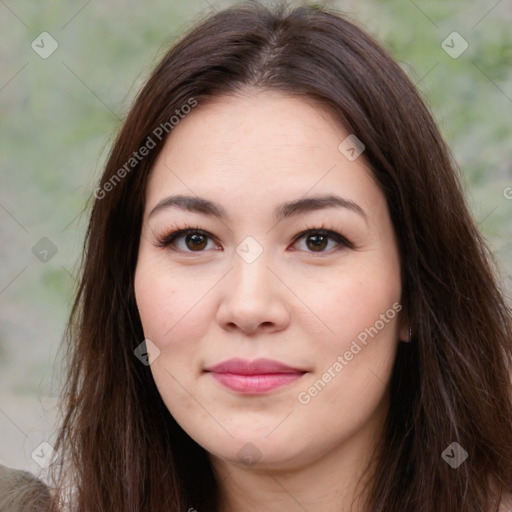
196, 240
319, 242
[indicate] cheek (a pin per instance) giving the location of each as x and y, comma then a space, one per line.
351, 304
353, 366
172, 318
357, 361
170, 307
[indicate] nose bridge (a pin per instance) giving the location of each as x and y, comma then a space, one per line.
251, 296
250, 272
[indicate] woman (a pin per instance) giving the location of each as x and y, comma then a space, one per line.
285, 303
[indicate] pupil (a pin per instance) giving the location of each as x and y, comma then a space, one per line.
319, 241
197, 241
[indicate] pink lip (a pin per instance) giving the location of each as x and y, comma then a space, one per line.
254, 377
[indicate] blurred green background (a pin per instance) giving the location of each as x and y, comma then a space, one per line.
58, 117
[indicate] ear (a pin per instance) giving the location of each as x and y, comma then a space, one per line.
405, 333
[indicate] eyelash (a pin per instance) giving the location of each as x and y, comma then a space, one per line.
166, 240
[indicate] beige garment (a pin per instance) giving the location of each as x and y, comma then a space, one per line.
21, 491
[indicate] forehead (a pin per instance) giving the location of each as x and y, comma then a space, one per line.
258, 145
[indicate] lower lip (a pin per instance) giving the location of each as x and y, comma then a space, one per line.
255, 384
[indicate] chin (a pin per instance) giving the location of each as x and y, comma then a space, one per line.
263, 454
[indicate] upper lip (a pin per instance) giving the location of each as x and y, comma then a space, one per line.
256, 367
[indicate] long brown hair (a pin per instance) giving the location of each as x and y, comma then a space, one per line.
121, 450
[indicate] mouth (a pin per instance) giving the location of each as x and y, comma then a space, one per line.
254, 377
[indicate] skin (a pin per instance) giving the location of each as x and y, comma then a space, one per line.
251, 152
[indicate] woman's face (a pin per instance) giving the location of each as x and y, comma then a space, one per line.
269, 349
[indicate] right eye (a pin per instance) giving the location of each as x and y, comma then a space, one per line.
192, 240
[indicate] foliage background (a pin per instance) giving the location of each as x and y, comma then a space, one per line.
58, 117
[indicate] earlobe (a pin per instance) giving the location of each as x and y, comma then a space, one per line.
405, 334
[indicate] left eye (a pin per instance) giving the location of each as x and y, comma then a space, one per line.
318, 240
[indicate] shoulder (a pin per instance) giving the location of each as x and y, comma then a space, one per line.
506, 503
20, 491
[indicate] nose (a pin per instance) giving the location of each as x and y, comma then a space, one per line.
253, 299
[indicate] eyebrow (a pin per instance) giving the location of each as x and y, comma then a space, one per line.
289, 209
